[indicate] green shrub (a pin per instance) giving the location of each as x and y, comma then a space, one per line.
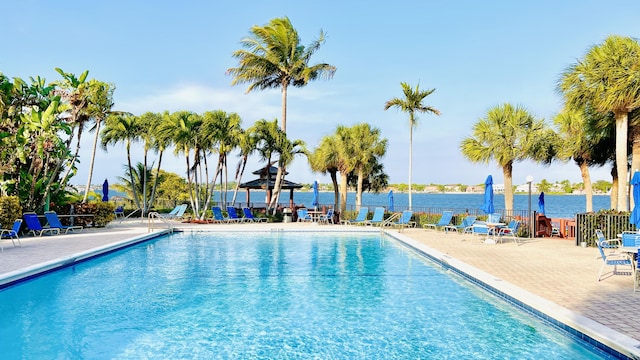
10, 210
104, 213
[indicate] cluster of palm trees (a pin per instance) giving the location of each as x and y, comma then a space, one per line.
601, 93
38, 125
197, 137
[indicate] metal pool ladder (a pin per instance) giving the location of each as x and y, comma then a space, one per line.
151, 221
390, 221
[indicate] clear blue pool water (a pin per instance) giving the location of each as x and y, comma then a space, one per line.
273, 295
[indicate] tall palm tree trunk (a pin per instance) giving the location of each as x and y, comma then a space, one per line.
75, 156
93, 158
133, 183
635, 158
614, 188
343, 192
588, 189
336, 192
359, 188
621, 160
507, 171
284, 107
239, 173
410, 161
155, 181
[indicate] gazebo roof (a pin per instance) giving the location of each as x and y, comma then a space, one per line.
262, 184
272, 171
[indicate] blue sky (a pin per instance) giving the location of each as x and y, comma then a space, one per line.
165, 55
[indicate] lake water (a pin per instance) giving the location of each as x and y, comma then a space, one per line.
556, 206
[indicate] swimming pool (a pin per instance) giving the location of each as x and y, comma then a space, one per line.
268, 295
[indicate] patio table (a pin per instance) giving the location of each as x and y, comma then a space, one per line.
492, 228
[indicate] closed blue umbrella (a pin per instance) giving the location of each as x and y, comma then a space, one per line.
314, 202
487, 206
634, 218
390, 196
541, 203
105, 190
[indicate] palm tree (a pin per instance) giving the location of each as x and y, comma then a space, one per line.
100, 104
139, 174
247, 145
507, 134
74, 94
274, 58
607, 79
123, 128
367, 148
574, 143
287, 150
324, 159
412, 103
184, 128
153, 139
264, 134
224, 131
345, 161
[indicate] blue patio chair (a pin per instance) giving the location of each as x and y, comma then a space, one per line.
34, 226
232, 215
510, 230
610, 245
11, 233
378, 216
326, 218
249, 216
445, 220
465, 225
303, 215
613, 258
54, 222
119, 211
360, 219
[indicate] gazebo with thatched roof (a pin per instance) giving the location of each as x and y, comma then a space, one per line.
267, 182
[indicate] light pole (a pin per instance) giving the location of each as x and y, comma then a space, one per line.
529, 181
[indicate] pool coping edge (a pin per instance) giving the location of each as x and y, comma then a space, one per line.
25, 273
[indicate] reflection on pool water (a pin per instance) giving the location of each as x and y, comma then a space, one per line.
268, 295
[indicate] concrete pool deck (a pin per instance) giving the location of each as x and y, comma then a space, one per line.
553, 269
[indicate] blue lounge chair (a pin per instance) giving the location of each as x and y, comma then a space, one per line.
54, 222
378, 216
34, 226
445, 220
405, 220
613, 258
217, 215
232, 215
11, 233
248, 215
360, 219
464, 227
176, 213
